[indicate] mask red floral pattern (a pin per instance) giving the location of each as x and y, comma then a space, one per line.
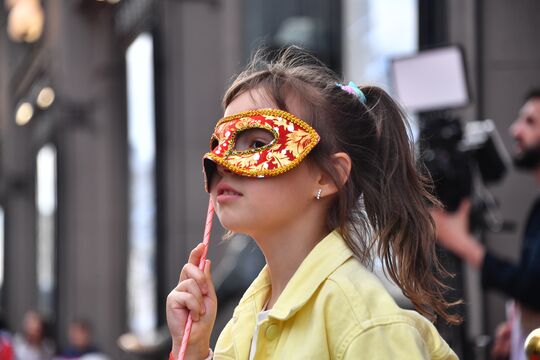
292, 140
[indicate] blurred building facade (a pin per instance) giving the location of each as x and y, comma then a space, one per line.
82, 56
100, 180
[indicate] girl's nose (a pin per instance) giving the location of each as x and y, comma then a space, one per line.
222, 171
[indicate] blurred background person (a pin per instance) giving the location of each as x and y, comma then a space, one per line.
31, 343
6, 342
105, 109
80, 341
518, 281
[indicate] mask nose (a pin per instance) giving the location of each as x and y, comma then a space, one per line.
209, 169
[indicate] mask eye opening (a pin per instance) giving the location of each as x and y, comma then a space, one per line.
245, 139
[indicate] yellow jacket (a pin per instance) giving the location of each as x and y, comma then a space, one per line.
332, 308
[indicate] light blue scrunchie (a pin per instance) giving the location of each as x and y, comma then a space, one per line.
352, 88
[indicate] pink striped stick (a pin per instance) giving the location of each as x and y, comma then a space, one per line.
206, 241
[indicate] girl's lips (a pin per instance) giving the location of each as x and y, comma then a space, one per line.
226, 192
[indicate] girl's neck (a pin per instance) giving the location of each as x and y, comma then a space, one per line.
285, 250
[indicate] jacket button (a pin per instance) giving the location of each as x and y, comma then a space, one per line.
272, 331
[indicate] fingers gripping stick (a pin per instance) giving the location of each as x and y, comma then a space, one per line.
207, 231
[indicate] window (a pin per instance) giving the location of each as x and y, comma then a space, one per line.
46, 227
375, 31
142, 293
312, 24
2, 248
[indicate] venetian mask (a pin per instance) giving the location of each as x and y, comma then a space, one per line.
259, 143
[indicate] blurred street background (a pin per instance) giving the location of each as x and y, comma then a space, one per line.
106, 108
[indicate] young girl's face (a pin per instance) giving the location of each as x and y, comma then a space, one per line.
258, 206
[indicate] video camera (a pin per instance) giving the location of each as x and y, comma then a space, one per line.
460, 159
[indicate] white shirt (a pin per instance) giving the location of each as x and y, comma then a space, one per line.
263, 315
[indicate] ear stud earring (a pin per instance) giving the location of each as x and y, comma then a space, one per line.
318, 196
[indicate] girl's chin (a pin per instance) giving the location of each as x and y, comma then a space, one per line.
235, 229
235, 222
231, 225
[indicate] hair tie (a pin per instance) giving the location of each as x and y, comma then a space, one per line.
353, 89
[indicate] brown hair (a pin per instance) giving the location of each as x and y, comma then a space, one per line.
383, 206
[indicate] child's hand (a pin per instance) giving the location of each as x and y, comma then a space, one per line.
194, 294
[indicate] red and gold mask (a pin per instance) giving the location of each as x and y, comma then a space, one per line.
259, 143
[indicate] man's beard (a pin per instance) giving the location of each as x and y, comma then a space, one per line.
528, 159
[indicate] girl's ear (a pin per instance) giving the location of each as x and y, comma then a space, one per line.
342, 165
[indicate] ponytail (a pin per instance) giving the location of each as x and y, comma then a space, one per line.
397, 205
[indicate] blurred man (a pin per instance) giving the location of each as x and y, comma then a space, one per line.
518, 281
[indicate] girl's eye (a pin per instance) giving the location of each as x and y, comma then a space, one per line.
257, 144
253, 139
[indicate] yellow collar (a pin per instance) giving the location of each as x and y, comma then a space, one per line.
322, 261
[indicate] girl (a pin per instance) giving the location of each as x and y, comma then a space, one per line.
322, 176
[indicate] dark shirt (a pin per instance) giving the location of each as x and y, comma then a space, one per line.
74, 352
521, 281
